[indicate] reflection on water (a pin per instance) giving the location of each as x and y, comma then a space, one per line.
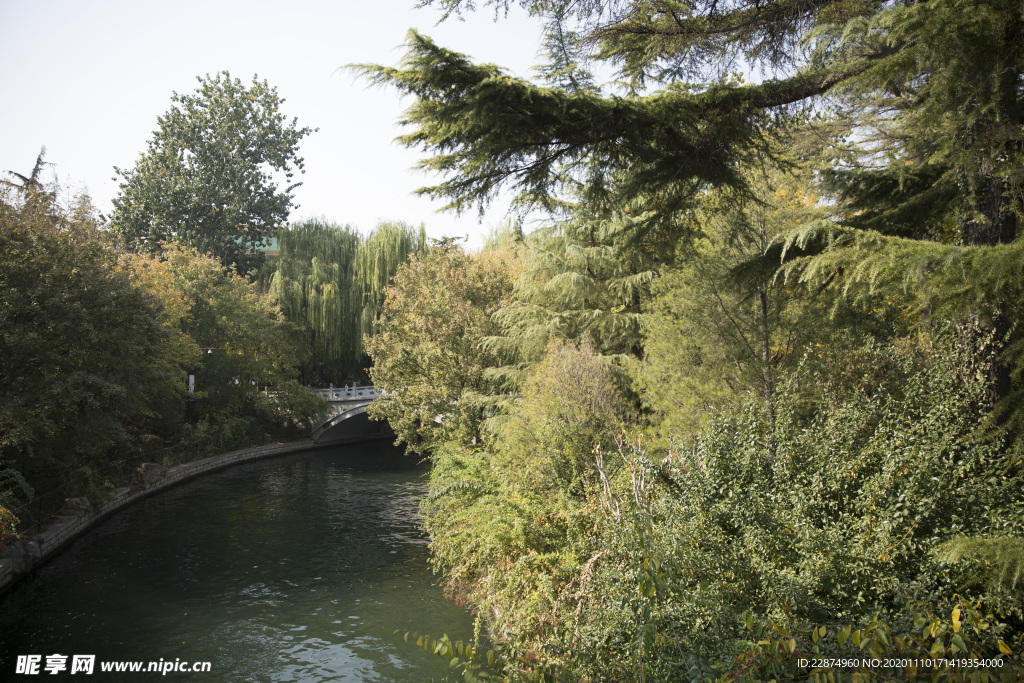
299, 568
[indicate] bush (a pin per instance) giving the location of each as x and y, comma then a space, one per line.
510, 522
838, 523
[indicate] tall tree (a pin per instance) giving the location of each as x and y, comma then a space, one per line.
331, 281
380, 254
210, 175
949, 69
580, 282
314, 281
426, 351
31, 183
85, 354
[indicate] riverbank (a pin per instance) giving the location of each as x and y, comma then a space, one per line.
300, 567
22, 557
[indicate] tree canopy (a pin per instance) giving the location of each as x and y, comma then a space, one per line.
210, 176
426, 351
946, 70
797, 223
330, 280
85, 353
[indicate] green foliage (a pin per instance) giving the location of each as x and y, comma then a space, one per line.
580, 283
717, 329
949, 280
96, 344
943, 105
839, 523
331, 281
84, 349
386, 247
248, 345
487, 129
508, 547
653, 571
314, 282
853, 478
209, 176
943, 281
510, 523
425, 352
570, 405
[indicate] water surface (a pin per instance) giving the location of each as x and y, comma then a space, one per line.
298, 568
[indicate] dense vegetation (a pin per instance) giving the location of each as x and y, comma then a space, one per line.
103, 323
755, 394
98, 341
331, 280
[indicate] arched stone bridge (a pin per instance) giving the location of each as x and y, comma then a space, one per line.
346, 417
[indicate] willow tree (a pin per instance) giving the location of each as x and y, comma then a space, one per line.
386, 247
315, 283
331, 280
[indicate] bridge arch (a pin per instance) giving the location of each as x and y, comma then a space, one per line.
346, 418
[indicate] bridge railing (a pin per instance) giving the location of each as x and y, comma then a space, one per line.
347, 393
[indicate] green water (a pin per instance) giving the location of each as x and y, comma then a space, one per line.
299, 568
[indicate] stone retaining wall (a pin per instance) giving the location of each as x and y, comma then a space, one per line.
78, 516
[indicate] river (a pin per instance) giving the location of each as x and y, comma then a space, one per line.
297, 568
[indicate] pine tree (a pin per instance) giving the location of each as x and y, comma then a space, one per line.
580, 283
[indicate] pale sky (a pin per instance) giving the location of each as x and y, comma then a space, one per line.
89, 79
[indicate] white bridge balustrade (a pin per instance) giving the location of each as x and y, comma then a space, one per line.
346, 417
348, 393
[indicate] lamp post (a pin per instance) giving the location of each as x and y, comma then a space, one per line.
190, 402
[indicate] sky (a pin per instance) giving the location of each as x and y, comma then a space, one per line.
88, 80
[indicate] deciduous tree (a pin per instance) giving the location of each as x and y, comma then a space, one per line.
210, 176
84, 350
426, 351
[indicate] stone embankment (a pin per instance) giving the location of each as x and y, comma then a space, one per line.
78, 515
